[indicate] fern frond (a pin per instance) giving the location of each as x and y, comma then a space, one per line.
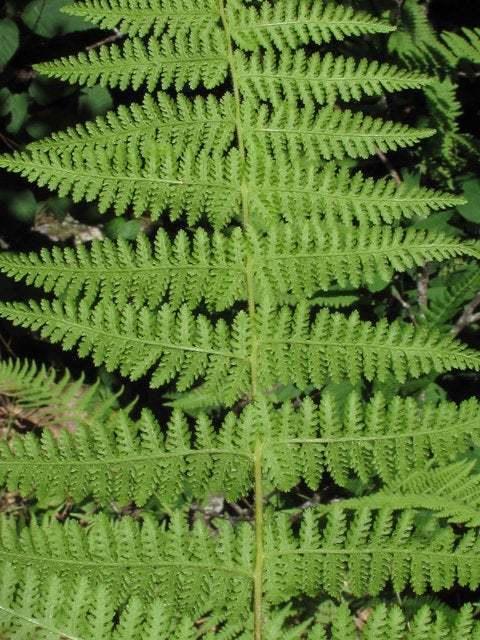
364, 555
201, 123
183, 347
415, 42
393, 624
299, 259
191, 570
451, 492
52, 400
464, 45
141, 17
79, 609
153, 179
367, 440
286, 23
329, 133
272, 76
459, 289
125, 461
185, 60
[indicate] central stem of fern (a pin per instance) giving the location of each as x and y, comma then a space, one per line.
250, 283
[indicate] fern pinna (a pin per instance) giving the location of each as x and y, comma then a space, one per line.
258, 151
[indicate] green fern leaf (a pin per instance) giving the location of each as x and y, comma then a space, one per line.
208, 186
330, 133
297, 76
286, 23
190, 570
214, 269
61, 609
207, 124
52, 400
461, 287
140, 17
451, 492
183, 347
180, 61
464, 46
364, 555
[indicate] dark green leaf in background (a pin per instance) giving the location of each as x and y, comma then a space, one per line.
44, 17
9, 40
471, 191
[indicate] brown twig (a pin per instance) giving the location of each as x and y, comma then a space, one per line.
406, 305
113, 37
391, 169
422, 287
8, 348
468, 316
8, 142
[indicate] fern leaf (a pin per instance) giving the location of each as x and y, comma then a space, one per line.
154, 181
298, 76
416, 42
52, 400
451, 492
370, 441
364, 555
141, 17
183, 347
190, 570
203, 123
173, 345
125, 461
337, 347
180, 61
330, 133
464, 46
284, 23
286, 259
198, 186
461, 287
79, 609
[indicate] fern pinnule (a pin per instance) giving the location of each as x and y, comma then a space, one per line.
201, 123
464, 45
141, 17
451, 492
52, 400
186, 568
272, 77
285, 24
183, 60
364, 554
330, 133
461, 287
